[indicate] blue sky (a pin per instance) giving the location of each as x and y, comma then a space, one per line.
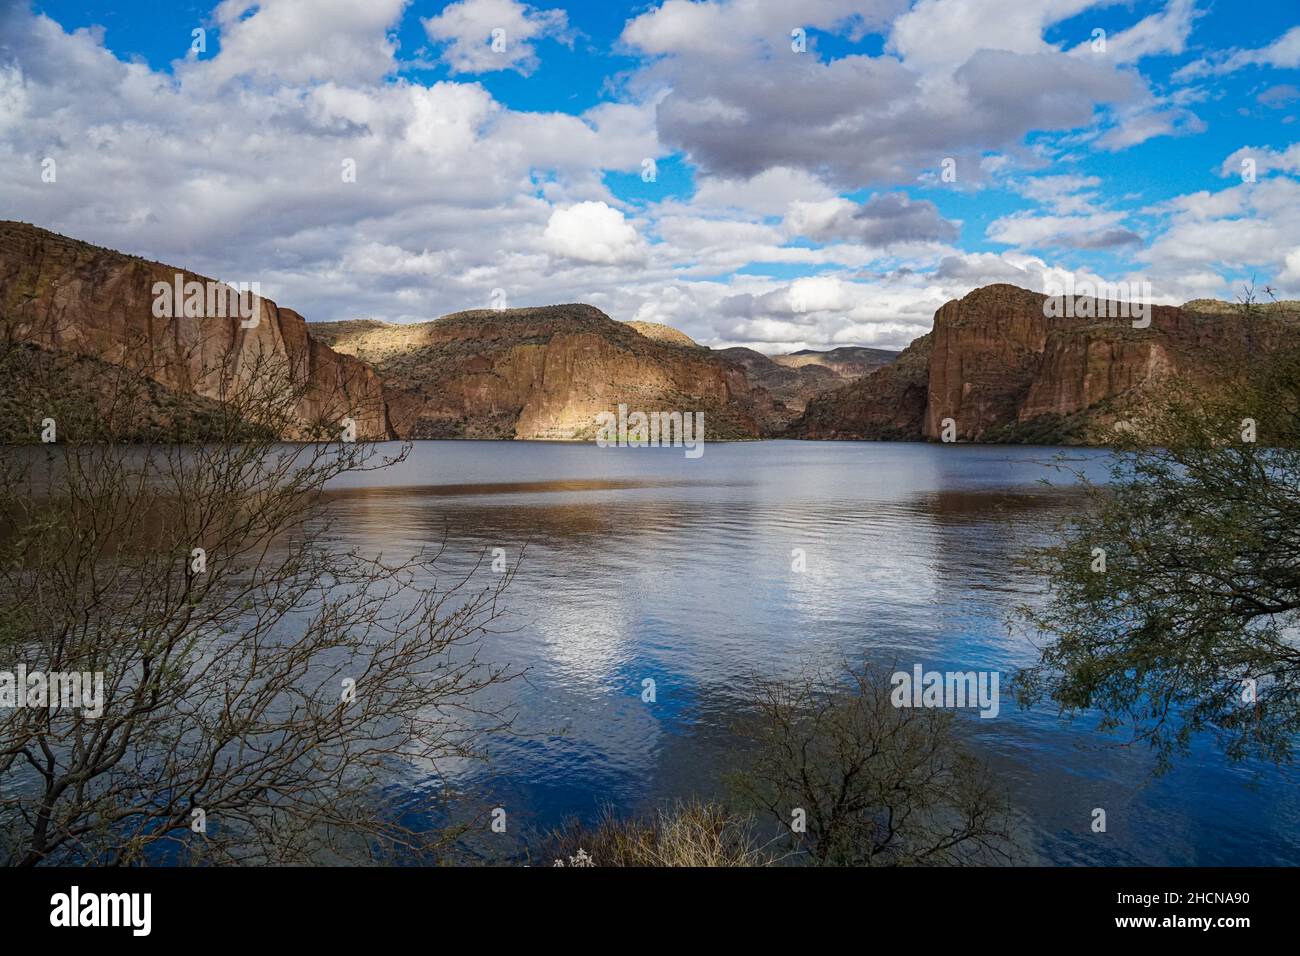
797, 199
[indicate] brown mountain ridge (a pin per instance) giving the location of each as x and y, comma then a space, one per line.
994, 365
542, 373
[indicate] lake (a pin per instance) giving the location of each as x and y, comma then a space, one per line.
639, 563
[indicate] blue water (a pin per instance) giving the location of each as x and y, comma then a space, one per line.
639, 563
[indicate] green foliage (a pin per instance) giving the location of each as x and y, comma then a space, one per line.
1191, 628
1049, 429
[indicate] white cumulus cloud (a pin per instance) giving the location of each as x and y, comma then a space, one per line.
592, 232
482, 36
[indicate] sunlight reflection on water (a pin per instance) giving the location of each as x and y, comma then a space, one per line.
640, 563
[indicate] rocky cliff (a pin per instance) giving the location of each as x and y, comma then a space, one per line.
543, 373
999, 365
64, 296
1001, 369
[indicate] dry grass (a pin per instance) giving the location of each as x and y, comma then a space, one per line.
1220, 307
664, 333
688, 834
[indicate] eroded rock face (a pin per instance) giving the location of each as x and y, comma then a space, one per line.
541, 373
1082, 369
985, 350
61, 294
1001, 369
1001, 362
996, 363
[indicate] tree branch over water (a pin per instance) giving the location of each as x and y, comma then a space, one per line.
1174, 597
262, 691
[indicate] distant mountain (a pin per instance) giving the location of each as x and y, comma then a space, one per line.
790, 386
847, 361
886, 405
1002, 371
796, 378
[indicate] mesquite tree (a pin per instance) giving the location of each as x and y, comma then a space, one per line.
855, 781
1174, 603
260, 689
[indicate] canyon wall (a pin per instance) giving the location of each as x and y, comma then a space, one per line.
998, 364
63, 295
1002, 369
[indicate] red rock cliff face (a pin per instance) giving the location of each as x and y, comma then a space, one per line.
540, 373
1081, 369
62, 294
984, 352
1002, 369
1000, 360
